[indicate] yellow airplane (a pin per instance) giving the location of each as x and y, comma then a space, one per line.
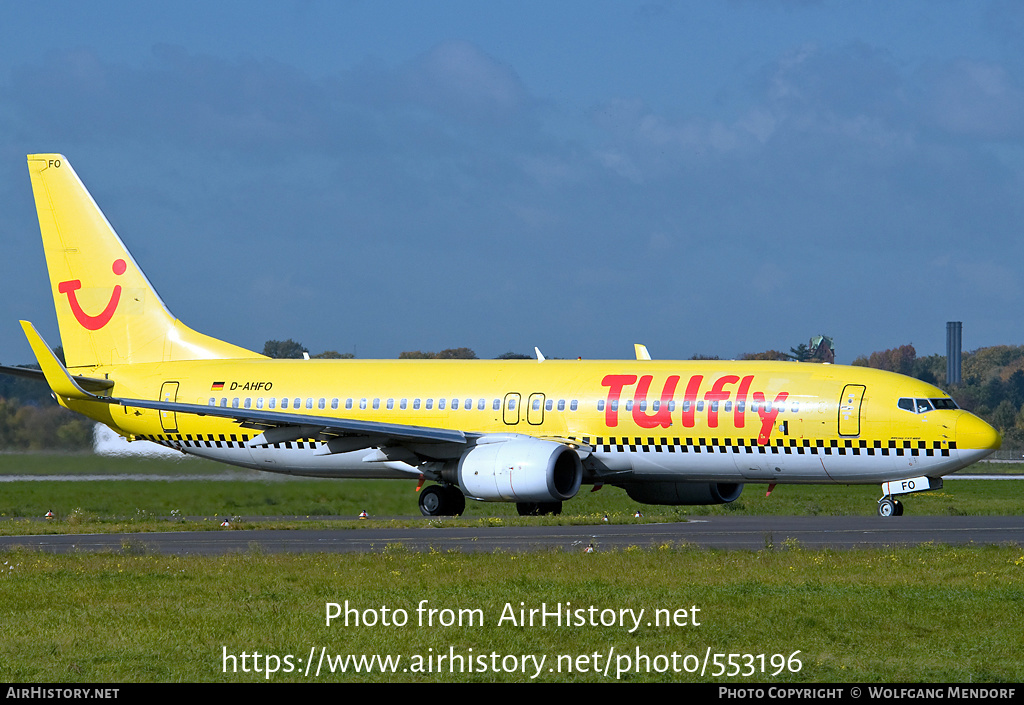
530, 432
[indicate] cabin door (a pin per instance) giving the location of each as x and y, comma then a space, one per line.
168, 419
849, 409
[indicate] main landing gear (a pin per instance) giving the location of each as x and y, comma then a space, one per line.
536, 509
442, 501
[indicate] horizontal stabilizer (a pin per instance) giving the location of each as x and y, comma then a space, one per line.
57, 376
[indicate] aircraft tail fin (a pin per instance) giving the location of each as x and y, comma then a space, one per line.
107, 311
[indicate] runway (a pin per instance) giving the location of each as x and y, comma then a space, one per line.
731, 533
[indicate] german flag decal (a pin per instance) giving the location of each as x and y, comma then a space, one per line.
217, 386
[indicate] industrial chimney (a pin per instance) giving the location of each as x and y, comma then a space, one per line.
953, 347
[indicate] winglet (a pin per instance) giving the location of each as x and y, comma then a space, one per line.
540, 355
641, 352
57, 376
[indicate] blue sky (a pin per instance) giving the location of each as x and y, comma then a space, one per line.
703, 177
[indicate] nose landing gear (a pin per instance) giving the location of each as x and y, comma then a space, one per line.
889, 507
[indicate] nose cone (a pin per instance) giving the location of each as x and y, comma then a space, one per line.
973, 434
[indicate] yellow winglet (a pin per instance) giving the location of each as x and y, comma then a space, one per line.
57, 376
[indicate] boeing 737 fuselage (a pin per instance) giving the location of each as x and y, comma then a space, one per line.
529, 432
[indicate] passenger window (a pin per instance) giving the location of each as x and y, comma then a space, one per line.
273, 403
572, 406
404, 404
391, 404
496, 406
548, 406
455, 404
376, 403
334, 403
234, 403
440, 404
348, 404
600, 405
259, 403
213, 401
430, 404
415, 404
468, 405
322, 404
561, 404
481, 405
248, 402
362, 404
309, 402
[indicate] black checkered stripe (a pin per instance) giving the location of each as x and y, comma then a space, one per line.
189, 440
787, 446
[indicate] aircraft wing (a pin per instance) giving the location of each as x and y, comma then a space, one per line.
341, 435
89, 383
279, 426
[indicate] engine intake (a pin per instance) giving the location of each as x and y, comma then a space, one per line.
518, 470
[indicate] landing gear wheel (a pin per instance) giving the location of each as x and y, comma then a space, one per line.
442, 500
432, 501
535, 509
552, 508
887, 507
457, 502
528, 509
899, 508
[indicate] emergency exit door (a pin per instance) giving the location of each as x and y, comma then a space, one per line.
849, 409
168, 419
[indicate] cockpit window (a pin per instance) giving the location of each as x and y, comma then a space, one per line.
923, 406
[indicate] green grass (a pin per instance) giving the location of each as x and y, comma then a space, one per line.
112, 505
956, 614
925, 614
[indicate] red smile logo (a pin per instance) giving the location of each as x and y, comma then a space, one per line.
87, 321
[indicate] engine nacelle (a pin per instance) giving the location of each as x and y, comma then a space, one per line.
677, 493
520, 469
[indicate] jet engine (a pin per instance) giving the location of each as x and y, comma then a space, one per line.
676, 493
519, 469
